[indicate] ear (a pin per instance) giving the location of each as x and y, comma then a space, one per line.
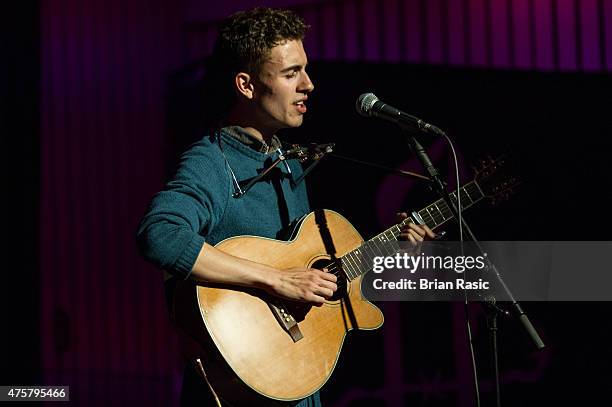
243, 83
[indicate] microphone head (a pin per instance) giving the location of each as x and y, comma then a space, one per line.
365, 103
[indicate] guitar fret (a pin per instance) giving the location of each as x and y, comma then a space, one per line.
362, 266
373, 248
346, 266
366, 259
368, 252
356, 268
391, 245
465, 196
475, 190
439, 210
375, 245
466, 200
441, 213
384, 244
428, 211
367, 249
397, 231
453, 200
427, 218
355, 263
469, 193
432, 213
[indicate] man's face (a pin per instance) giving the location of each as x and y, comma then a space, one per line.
282, 86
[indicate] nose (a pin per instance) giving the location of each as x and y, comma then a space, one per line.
306, 85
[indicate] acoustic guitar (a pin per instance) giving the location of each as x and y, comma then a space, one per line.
261, 350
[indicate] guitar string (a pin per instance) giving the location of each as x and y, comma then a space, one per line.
443, 212
333, 267
337, 271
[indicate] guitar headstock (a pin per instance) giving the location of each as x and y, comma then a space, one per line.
494, 179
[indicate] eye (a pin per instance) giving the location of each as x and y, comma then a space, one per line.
292, 74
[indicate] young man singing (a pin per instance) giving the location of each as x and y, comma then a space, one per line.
259, 81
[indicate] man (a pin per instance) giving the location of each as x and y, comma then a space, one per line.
257, 76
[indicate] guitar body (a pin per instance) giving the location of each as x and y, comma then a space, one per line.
249, 358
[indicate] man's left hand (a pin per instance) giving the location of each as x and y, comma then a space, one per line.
412, 232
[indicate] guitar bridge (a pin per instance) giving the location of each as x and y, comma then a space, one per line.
287, 321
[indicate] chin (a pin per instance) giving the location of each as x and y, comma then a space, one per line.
296, 122
290, 122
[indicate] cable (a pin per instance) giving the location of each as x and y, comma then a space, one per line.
465, 298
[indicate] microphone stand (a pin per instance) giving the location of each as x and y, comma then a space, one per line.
403, 173
492, 309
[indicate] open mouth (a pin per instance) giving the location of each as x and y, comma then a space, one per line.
301, 107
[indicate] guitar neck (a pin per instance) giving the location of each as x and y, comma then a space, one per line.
360, 260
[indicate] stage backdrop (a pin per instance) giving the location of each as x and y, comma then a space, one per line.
110, 73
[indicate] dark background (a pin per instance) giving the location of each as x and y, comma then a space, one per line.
96, 100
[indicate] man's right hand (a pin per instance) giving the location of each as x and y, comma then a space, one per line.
298, 284
304, 284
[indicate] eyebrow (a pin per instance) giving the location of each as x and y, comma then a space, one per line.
293, 68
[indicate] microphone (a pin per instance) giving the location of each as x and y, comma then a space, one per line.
369, 105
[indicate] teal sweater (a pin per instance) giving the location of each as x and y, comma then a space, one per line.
197, 204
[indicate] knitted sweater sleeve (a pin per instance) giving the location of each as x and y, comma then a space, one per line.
174, 229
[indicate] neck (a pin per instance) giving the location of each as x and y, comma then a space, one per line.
239, 117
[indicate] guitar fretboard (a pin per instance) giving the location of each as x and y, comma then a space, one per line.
360, 260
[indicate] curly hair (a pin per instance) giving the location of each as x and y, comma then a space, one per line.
244, 42
246, 38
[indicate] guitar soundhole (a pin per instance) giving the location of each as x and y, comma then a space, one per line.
333, 267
